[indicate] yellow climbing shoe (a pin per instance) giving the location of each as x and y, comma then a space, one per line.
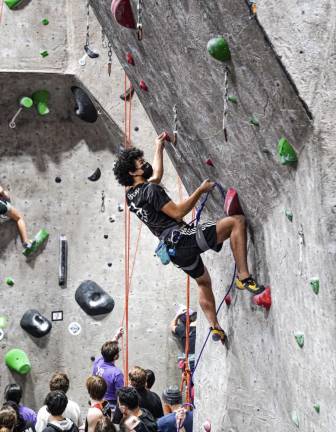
250, 285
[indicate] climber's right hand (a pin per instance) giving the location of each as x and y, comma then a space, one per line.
207, 186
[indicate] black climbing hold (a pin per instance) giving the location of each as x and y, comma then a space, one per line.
89, 52
109, 264
136, 128
35, 324
58, 179
92, 358
95, 176
128, 95
105, 236
84, 107
93, 299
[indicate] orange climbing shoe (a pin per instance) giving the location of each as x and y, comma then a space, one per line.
218, 334
250, 285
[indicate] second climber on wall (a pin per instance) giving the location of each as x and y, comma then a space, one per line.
182, 243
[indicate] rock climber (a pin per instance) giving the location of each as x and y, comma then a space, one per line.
6, 209
150, 202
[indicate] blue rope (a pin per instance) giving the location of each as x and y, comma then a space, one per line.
218, 309
204, 200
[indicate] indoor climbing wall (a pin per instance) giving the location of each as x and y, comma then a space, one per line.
49, 161
253, 111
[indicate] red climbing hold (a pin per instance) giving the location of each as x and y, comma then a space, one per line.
264, 299
209, 162
143, 85
231, 204
123, 14
130, 59
228, 299
166, 137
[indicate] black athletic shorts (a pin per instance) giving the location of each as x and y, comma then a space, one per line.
193, 242
4, 207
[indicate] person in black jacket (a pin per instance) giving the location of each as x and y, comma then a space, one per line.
128, 406
56, 402
147, 398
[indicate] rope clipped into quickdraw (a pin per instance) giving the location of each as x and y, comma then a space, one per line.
175, 125
139, 21
204, 200
225, 100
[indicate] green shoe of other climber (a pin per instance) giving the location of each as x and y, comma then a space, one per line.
31, 247
12, 3
41, 99
18, 361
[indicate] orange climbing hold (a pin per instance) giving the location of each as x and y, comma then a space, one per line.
123, 14
232, 204
264, 299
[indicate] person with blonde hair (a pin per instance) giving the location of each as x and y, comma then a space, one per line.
99, 408
7, 419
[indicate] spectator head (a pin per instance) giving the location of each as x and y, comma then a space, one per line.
59, 381
137, 377
192, 316
13, 392
20, 422
150, 378
172, 396
128, 399
56, 402
7, 419
110, 351
104, 424
96, 386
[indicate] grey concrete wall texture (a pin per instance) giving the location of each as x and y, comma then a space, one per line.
60, 144
283, 73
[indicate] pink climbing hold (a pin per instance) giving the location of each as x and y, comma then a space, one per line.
206, 426
264, 299
232, 204
130, 59
143, 85
228, 299
123, 14
209, 162
166, 137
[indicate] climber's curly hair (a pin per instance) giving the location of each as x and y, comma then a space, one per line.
125, 163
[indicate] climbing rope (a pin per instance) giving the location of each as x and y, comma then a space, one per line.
225, 100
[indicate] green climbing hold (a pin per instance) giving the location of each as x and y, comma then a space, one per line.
289, 215
286, 152
3, 322
315, 284
12, 3
38, 241
232, 99
45, 21
219, 49
295, 419
41, 98
10, 281
44, 53
299, 337
18, 361
317, 408
26, 102
254, 121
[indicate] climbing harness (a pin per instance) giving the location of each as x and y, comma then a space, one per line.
139, 22
175, 125
102, 205
88, 51
225, 100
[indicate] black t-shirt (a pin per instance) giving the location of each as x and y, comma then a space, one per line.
180, 334
146, 201
148, 420
151, 402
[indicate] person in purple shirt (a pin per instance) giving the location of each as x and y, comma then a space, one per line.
13, 393
104, 367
